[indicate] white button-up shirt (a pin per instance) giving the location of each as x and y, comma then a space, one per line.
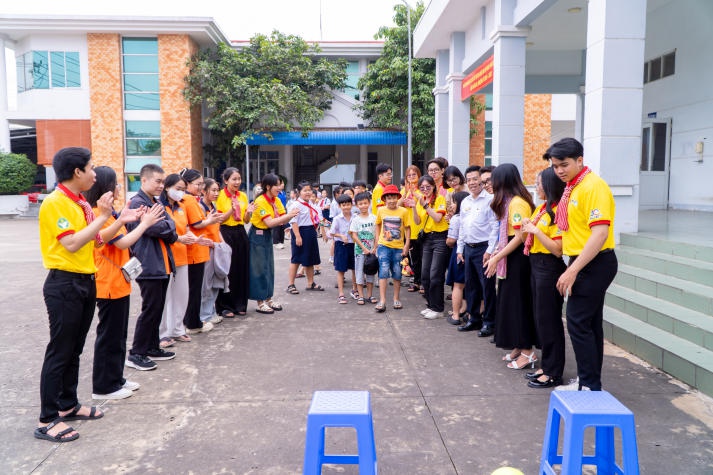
477, 222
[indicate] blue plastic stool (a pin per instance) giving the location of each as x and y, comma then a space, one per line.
340, 409
581, 409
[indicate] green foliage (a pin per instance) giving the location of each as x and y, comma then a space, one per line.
476, 108
17, 173
385, 85
276, 82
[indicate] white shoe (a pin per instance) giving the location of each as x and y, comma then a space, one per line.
280, 246
573, 385
121, 393
425, 311
432, 315
131, 385
207, 326
215, 319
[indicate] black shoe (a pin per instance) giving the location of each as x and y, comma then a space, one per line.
140, 362
160, 354
487, 330
472, 325
549, 383
533, 374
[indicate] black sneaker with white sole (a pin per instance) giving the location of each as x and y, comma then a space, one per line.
140, 362
159, 354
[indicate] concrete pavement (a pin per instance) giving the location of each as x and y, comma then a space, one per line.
235, 400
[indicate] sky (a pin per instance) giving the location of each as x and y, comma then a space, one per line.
355, 20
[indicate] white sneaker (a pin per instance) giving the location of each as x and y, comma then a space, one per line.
131, 385
121, 393
215, 319
573, 385
280, 246
432, 315
425, 311
207, 326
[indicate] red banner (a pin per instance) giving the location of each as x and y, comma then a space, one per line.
477, 80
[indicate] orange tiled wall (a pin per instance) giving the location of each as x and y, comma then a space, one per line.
181, 134
53, 135
477, 139
105, 100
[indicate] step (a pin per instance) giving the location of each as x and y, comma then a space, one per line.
680, 358
685, 268
699, 252
682, 292
682, 322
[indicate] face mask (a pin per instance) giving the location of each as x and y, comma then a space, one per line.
175, 195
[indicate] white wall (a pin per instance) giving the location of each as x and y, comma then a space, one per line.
686, 97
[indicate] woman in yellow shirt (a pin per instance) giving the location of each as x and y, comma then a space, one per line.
409, 199
514, 320
269, 213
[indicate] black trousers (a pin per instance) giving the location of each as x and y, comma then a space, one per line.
478, 287
278, 235
153, 298
415, 257
237, 299
70, 300
192, 318
585, 313
433, 269
110, 345
547, 304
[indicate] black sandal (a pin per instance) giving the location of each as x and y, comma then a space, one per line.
291, 289
315, 287
74, 414
42, 433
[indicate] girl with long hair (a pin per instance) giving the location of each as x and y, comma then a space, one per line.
409, 199
212, 231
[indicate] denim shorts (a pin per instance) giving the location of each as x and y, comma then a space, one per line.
361, 278
389, 261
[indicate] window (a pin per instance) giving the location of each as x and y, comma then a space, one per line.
47, 69
351, 89
669, 64
143, 138
140, 62
660, 67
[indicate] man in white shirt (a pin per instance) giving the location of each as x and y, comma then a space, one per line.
477, 238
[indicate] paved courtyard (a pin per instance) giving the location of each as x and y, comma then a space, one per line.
235, 400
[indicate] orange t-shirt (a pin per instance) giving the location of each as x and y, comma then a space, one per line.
197, 253
109, 259
180, 253
212, 231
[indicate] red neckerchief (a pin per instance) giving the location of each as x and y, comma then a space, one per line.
271, 201
86, 208
380, 183
531, 237
313, 214
561, 214
235, 200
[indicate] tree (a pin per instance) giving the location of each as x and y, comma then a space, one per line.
385, 85
273, 83
17, 173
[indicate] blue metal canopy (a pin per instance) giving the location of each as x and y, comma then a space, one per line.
338, 137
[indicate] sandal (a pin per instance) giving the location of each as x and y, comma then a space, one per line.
291, 289
342, 299
299, 275
264, 308
397, 305
317, 272
227, 314
166, 342
315, 287
413, 288
273, 305
361, 301
74, 415
523, 361
421, 290
511, 357
372, 300
184, 338
380, 307
43, 433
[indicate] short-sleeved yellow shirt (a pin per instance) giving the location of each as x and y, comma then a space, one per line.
591, 203
428, 224
376, 199
59, 216
265, 207
548, 227
517, 210
415, 228
224, 203
393, 226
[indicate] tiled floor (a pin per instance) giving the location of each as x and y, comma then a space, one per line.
694, 227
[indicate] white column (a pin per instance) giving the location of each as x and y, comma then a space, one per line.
4, 124
289, 169
579, 117
363, 162
613, 101
458, 110
440, 93
508, 96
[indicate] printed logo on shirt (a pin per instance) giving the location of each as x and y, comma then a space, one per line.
62, 223
573, 202
263, 212
595, 214
441, 207
516, 218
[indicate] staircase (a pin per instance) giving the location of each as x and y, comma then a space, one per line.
660, 306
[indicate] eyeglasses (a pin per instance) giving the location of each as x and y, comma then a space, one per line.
485, 182
434, 170
453, 179
425, 187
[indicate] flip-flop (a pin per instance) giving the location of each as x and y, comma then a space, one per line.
227, 314
74, 414
397, 305
41, 433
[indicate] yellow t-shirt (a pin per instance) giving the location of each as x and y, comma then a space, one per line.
264, 208
376, 200
427, 223
548, 227
393, 226
60, 216
591, 203
415, 228
517, 210
224, 203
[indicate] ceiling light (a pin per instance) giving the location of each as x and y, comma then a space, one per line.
574, 10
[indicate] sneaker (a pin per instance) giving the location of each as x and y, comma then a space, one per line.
207, 326
331, 260
131, 385
425, 311
120, 393
160, 354
432, 315
140, 362
573, 385
215, 319
279, 246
